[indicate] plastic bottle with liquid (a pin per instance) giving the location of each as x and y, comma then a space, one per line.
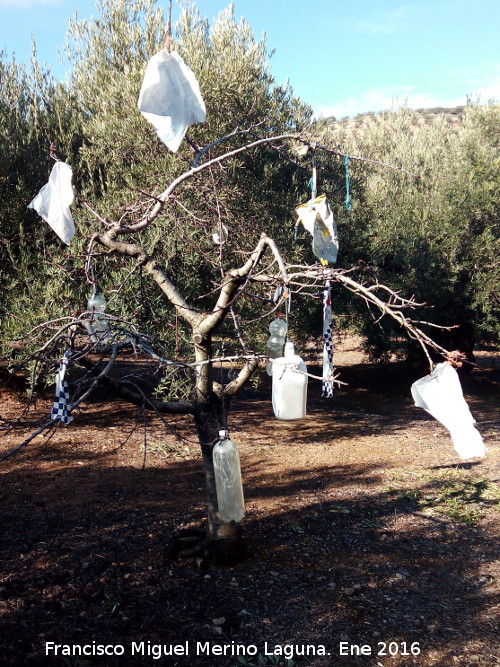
97, 305
289, 392
228, 484
276, 341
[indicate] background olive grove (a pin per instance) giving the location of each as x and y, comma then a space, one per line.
433, 231
430, 229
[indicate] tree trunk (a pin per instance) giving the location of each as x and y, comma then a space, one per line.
224, 541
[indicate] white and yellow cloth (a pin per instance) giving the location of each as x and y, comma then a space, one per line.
317, 218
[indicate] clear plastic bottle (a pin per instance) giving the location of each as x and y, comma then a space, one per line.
289, 385
97, 305
276, 341
228, 484
278, 327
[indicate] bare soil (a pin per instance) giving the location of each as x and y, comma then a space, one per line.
363, 527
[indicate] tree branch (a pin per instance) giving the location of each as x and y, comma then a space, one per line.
236, 278
164, 196
120, 388
154, 269
243, 376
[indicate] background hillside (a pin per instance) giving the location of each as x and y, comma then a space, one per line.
449, 118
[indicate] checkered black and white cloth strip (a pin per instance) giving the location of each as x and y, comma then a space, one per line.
60, 405
327, 384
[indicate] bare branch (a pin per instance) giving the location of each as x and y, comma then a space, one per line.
333, 151
164, 196
22, 444
243, 376
155, 271
236, 278
133, 396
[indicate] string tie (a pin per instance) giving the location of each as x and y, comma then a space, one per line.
347, 184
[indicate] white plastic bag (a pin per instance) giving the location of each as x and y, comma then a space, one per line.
317, 218
54, 199
440, 394
170, 97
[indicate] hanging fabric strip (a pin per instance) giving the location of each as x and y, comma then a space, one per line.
327, 384
312, 182
314, 178
60, 406
288, 307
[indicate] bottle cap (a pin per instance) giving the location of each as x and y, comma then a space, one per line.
222, 434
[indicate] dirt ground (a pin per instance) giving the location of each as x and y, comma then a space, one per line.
370, 544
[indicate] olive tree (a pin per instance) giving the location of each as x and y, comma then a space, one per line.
117, 158
146, 219
208, 400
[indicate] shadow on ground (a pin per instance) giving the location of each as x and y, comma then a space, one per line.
336, 555
83, 561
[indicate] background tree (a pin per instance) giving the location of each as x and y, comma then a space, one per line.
36, 114
431, 228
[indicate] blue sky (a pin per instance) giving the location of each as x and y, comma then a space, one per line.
341, 56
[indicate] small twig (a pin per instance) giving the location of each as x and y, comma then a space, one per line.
239, 333
208, 147
332, 379
333, 151
85, 203
168, 40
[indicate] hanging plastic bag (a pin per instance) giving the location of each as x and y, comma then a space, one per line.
53, 201
317, 218
440, 394
170, 97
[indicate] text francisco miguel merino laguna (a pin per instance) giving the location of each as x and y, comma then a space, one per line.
157, 651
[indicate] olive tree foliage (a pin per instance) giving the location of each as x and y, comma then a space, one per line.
431, 228
33, 108
122, 164
119, 164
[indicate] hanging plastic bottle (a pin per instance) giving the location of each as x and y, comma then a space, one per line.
228, 484
289, 386
220, 234
276, 341
97, 305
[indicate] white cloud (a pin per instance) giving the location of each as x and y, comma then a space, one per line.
383, 99
379, 99
484, 94
385, 23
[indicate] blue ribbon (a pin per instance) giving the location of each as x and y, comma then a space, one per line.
310, 185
